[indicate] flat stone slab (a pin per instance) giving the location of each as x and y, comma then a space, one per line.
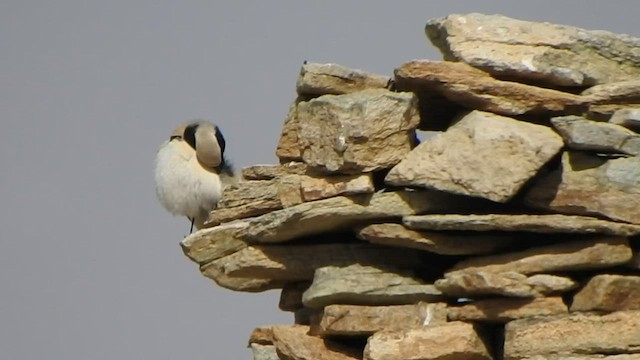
615, 333
609, 293
341, 212
588, 185
465, 158
467, 284
359, 320
539, 52
476, 89
294, 342
582, 134
320, 79
210, 244
627, 117
366, 285
595, 253
359, 132
436, 242
503, 310
545, 224
451, 341
268, 172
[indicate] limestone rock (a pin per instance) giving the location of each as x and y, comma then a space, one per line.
320, 79
608, 293
264, 352
359, 132
358, 320
607, 99
615, 333
288, 148
237, 283
316, 188
436, 242
546, 224
340, 212
540, 52
298, 262
209, 244
366, 285
582, 134
595, 253
509, 283
485, 145
246, 199
261, 335
588, 185
293, 342
268, 172
450, 341
503, 310
476, 89
627, 117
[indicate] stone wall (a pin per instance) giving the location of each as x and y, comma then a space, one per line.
510, 232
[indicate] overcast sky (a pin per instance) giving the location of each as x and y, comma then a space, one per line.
90, 266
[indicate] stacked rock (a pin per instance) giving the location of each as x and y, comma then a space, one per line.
511, 233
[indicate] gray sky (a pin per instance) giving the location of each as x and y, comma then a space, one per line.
90, 266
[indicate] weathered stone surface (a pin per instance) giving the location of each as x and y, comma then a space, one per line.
485, 145
366, 285
358, 320
450, 341
436, 242
503, 310
583, 357
588, 185
359, 132
474, 283
293, 342
595, 253
264, 352
209, 244
619, 92
540, 52
608, 293
476, 89
246, 199
243, 284
291, 296
615, 333
261, 335
288, 148
338, 213
582, 134
268, 172
546, 224
316, 188
320, 79
298, 262
628, 117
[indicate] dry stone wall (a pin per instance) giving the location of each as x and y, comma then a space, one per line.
513, 233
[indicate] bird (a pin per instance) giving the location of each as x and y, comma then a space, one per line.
191, 171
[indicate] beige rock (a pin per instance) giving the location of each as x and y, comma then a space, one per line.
268, 172
261, 335
509, 283
264, 352
288, 148
320, 79
246, 199
316, 188
583, 357
582, 134
620, 92
485, 145
291, 296
588, 185
546, 224
358, 320
209, 244
503, 310
366, 285
436, 242
450, 341
298, 262
627, 117
615, 333
340, 212
540, 52
476, 89
608, 293
595, 253
359, 132
242, 284
293, 342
